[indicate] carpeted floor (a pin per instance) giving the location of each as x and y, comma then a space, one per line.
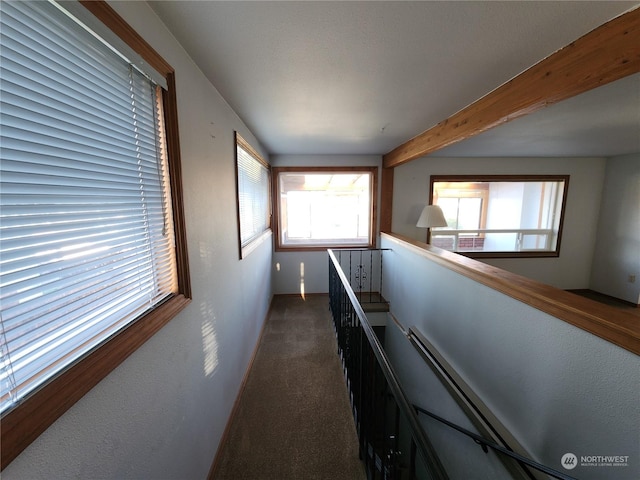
293, 420
611, 301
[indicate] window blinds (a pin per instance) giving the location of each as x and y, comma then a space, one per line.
86, 240
253, 196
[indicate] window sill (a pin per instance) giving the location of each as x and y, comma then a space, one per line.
321, 248
255, 243
30, 418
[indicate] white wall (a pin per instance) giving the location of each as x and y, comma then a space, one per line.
161, 413
559, 389
308, 272
461, 458
571, 270
617, 253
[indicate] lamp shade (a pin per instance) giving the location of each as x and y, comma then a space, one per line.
431, 216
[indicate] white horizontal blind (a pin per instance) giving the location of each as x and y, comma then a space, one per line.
86, 240
253, 196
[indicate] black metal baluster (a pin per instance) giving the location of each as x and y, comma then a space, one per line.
362, 396
380, 252
370, 275
360, 276
353, 272
375, 395
396, 453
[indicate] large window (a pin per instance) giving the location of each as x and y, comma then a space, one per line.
92, 248
500, 216
321, 208
253, 193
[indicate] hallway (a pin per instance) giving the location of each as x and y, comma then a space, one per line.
293, 420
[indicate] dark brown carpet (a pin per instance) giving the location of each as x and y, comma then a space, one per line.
611, 301
293, 420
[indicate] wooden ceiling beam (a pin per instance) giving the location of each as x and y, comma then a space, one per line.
606, 54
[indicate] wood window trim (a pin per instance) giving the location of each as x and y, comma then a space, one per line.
276, 205
25, 422
509, 178
251, 151
245, 250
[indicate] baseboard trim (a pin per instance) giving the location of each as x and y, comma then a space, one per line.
302, 295
215, 466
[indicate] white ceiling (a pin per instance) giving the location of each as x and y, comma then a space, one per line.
349, 77
603, 122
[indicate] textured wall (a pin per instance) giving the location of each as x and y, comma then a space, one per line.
559, 389
460, 456
294, 272
161, 413
570, 270
617, 253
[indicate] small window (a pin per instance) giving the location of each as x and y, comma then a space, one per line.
321, 208
500, 216
253, 194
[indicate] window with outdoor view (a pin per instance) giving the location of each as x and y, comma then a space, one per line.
322, 208
92, 244
492, 216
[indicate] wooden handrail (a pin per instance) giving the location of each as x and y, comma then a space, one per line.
614, 325
433, 464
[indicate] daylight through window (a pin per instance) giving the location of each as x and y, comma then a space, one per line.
500, 216
87, 239
321, 208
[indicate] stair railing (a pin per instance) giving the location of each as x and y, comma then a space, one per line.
363, 269
486, 444
494, 434
392, 442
